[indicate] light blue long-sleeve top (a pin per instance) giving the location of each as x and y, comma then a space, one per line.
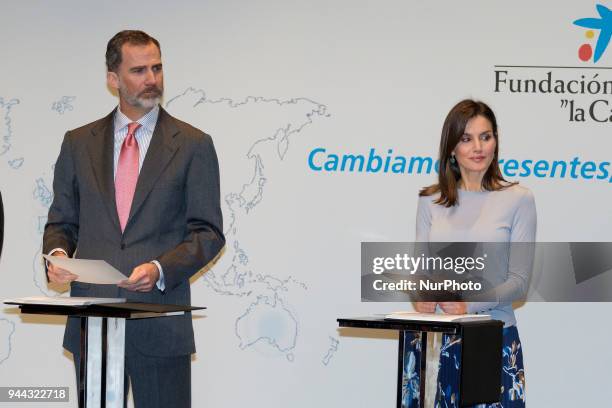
507, 215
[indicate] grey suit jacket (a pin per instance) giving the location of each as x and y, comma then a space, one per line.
175, 218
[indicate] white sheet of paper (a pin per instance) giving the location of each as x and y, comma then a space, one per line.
62, 301
436, 317
88, 270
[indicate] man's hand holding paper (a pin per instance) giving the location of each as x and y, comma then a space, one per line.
82, 270
143, 278
57, 274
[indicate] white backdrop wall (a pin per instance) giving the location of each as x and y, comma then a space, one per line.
272, 81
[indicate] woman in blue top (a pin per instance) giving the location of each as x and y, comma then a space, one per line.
472, 202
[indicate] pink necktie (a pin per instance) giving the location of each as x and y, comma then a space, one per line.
127, 174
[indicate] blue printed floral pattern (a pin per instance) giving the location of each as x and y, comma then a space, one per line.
447, 395
412, 362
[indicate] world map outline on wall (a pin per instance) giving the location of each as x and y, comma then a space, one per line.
7, 327
268, 318
7, 134
269, 293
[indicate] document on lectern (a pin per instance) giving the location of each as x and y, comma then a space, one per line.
437, 317
88, 270
61, 301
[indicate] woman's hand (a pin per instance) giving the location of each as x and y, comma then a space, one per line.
425, 307
454, 307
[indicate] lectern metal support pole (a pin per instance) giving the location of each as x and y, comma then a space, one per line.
115, 362
94, 362
82, 384
423, 369
400, 369
102, 351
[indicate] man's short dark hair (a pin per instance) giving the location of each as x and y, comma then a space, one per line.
134, 37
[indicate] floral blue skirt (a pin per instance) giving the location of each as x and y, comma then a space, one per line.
512, 374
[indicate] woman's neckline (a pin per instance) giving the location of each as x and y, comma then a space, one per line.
462, 190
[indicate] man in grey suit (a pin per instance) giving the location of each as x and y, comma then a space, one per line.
140, 190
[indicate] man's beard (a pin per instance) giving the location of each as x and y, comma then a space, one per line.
147, 99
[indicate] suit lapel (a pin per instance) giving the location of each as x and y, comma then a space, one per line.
161, 150
101, 153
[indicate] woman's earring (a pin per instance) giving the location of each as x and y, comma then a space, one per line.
453, 160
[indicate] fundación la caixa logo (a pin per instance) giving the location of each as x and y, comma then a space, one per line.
604, 25
580, 90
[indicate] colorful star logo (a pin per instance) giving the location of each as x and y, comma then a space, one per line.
604, 25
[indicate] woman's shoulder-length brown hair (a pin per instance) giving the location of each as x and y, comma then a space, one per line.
449, 173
